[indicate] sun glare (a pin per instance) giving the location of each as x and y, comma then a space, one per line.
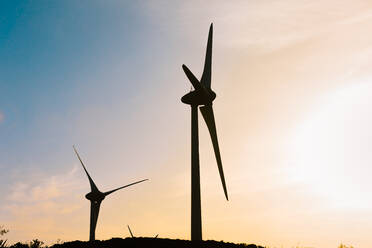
330, 150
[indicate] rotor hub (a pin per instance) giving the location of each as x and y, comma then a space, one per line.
95, 196
197, 97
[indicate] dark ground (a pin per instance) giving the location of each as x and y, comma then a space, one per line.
150, 243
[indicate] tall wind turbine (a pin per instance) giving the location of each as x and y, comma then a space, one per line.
96, 197
204, 96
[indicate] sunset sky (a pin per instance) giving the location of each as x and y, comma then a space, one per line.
293, 111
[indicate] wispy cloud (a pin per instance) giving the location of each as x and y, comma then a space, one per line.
263, 25
43, 187
41, 202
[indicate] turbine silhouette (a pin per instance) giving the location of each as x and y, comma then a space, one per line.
131, 234
96, 197
130, 231
202, 95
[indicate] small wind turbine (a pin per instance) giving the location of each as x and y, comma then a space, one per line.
202, 95
130, 231
96, 197
131, 234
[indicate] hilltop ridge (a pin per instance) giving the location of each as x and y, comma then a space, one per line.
151, 243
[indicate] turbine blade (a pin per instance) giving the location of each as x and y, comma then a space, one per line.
94, 211
207, 112
130, 231
156, 236
207, 72
93, 186
111, 191
194, 81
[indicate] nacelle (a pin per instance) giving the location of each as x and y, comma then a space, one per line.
199, 97
95, 196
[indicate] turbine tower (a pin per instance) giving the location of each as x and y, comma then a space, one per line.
96, 197
204, 96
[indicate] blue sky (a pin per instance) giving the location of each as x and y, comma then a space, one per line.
55, 56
